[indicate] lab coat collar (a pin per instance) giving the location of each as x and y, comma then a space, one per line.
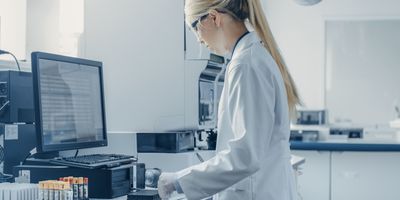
243, 42
238, 40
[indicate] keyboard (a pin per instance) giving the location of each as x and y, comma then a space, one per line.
94, 161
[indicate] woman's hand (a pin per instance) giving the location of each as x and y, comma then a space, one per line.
166, 185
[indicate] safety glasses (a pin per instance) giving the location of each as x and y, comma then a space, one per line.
196, 22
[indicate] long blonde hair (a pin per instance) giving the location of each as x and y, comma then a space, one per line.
248, 10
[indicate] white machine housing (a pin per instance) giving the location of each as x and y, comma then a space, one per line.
204, 80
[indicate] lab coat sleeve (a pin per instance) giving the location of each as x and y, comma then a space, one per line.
251, 116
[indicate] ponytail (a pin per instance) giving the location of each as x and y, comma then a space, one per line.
260, 25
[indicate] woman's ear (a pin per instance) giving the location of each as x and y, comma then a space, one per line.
216, 17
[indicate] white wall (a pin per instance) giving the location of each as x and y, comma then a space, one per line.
299, 32
13, 27
362, 56
141, 46
42, 26
54, 26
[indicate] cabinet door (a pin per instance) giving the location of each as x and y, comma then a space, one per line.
313, 183
365, 175
141, 44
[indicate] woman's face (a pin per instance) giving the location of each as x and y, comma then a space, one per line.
210, 34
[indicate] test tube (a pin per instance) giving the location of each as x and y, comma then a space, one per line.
75, 188
80, 184
68, 192
56, 190
51, 190
71, 180
40, 191
86, 188
61, 190
45, 190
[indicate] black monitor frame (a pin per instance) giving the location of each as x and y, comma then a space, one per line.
41, 147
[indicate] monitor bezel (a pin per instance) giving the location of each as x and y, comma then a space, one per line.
41, 147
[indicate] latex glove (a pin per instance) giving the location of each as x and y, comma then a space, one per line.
166, 185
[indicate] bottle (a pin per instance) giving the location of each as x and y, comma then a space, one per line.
41, 191
45, 190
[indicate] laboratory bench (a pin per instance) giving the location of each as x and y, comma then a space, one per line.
347, 145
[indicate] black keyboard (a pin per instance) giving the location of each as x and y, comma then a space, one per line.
95, 160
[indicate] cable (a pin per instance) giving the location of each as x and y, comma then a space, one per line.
1, 154
3, 177
31, 153
4, 105
26, 158
16, 60
76, 153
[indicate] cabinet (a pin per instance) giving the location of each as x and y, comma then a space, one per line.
365, 175
313, 183
348, 175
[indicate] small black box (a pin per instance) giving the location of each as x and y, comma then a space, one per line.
103, 183
311, 117
139, 172
144, 195
17, 140
350, 132
168, 142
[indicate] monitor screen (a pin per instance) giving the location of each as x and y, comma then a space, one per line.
69, 102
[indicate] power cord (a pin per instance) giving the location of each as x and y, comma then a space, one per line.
30, 154
4, 105
1, 154
76, 153
16, 60
5, 177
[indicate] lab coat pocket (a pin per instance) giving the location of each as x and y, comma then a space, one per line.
236, 193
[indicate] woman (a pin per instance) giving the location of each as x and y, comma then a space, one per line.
253, 155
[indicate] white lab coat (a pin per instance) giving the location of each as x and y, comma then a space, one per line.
253, 155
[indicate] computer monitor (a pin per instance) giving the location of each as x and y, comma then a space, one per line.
69, 102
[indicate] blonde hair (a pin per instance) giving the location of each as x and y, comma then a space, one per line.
248, 10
